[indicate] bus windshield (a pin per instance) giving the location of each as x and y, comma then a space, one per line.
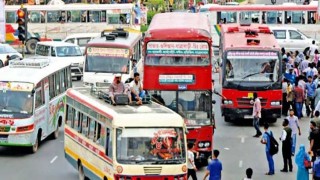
107, 64
150, 146
248, 66
16, 102
66, 51
195, 106
177, 61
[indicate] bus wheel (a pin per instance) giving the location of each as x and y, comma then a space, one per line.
31, 46
82, 176
35, 146
1, 64
56, 133
273, 120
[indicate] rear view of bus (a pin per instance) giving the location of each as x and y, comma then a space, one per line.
32, 101
123, 142
111, 53
178, 72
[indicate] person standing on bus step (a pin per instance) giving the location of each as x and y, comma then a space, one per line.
214, 168
266, 140
286, 146
312, 50
294, 125
118, 87
256, 114
137, 93
191, 165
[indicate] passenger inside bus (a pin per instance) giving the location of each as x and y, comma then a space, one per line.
229, 69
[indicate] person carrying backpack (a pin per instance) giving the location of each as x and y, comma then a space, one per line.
271, 147
286, 146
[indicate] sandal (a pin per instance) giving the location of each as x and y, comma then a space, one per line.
114, 104
268, 173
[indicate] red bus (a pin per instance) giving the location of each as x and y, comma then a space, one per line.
251, 62
178, 72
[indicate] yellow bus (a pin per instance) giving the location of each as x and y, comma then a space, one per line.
123, 142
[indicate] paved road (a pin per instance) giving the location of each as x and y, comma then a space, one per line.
238, 151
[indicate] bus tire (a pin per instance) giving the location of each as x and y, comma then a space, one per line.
35, 146
1, 64
272, 120
31, 45
82, 176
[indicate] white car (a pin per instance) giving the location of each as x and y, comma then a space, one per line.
7, 50
81, 39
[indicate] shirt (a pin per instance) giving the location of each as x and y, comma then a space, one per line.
266, 138
310, 88
316, 167
283, 135
257, 108
304, 65
116, 88
215, 168
302, 84
135, 87
315, 136
190, 158
293, 123
313, 48
299, 94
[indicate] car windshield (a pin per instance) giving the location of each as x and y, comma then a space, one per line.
106, 64
66, 51
150, 146
7, 49
252, 66
16, 102
194, 106
303, 34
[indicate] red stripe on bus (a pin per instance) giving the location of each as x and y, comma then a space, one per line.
88, 145
82, 101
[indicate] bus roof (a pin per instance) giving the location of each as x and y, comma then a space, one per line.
120, 42
74, 7
179, 26
262, 7
237, 39
125, 115
31, 74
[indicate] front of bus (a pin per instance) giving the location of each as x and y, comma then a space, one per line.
150, 148
16, 114
246, 71
179, 76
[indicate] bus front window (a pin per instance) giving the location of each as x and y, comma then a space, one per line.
150, 146
107, 64
177, 61
20, 102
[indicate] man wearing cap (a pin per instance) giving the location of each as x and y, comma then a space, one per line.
290, 76
118, 87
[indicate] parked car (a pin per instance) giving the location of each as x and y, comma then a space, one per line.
291, 38
81, 39
57, 50
7, 50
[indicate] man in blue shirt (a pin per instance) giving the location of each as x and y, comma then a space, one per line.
214, 168
266, 140
311, 89
316, 167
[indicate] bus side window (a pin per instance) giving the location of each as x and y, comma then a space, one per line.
92, 129
84, 16
57, 83
103, 16
63, 84
39, 96
34, 16
67, 78
84, 125
109, 143
76, 117
53, 16
69, 118
51, 86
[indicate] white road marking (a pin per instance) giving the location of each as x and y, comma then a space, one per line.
226, 148
240, 164
242, 139
53, 159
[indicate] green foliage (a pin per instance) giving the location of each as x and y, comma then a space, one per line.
150, 15
144, 28
240, 1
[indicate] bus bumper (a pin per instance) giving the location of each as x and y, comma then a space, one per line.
246, 113
161, 177
15, 139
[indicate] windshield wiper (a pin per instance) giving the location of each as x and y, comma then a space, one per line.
249, 75
170, 161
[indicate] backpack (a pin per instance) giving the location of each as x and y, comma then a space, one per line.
274, 146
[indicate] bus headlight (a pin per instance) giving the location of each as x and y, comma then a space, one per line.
207, 144
227, 102
200, 145
275, 103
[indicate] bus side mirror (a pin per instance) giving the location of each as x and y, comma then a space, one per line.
213, 101
32, 92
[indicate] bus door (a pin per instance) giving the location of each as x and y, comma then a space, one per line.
47, 106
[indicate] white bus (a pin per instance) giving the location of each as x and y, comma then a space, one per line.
59, 21
112, 53
123, 142
32, 98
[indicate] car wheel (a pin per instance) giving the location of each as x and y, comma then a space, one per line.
31, 46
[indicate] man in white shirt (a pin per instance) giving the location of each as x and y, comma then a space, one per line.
294, 125
137, 92
190, 163
312, 49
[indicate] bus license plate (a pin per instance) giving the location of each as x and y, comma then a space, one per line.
248, 116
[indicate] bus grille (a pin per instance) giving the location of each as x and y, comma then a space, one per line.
246, 102
152, 170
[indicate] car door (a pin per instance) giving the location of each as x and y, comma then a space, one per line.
281, 36
297, 42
